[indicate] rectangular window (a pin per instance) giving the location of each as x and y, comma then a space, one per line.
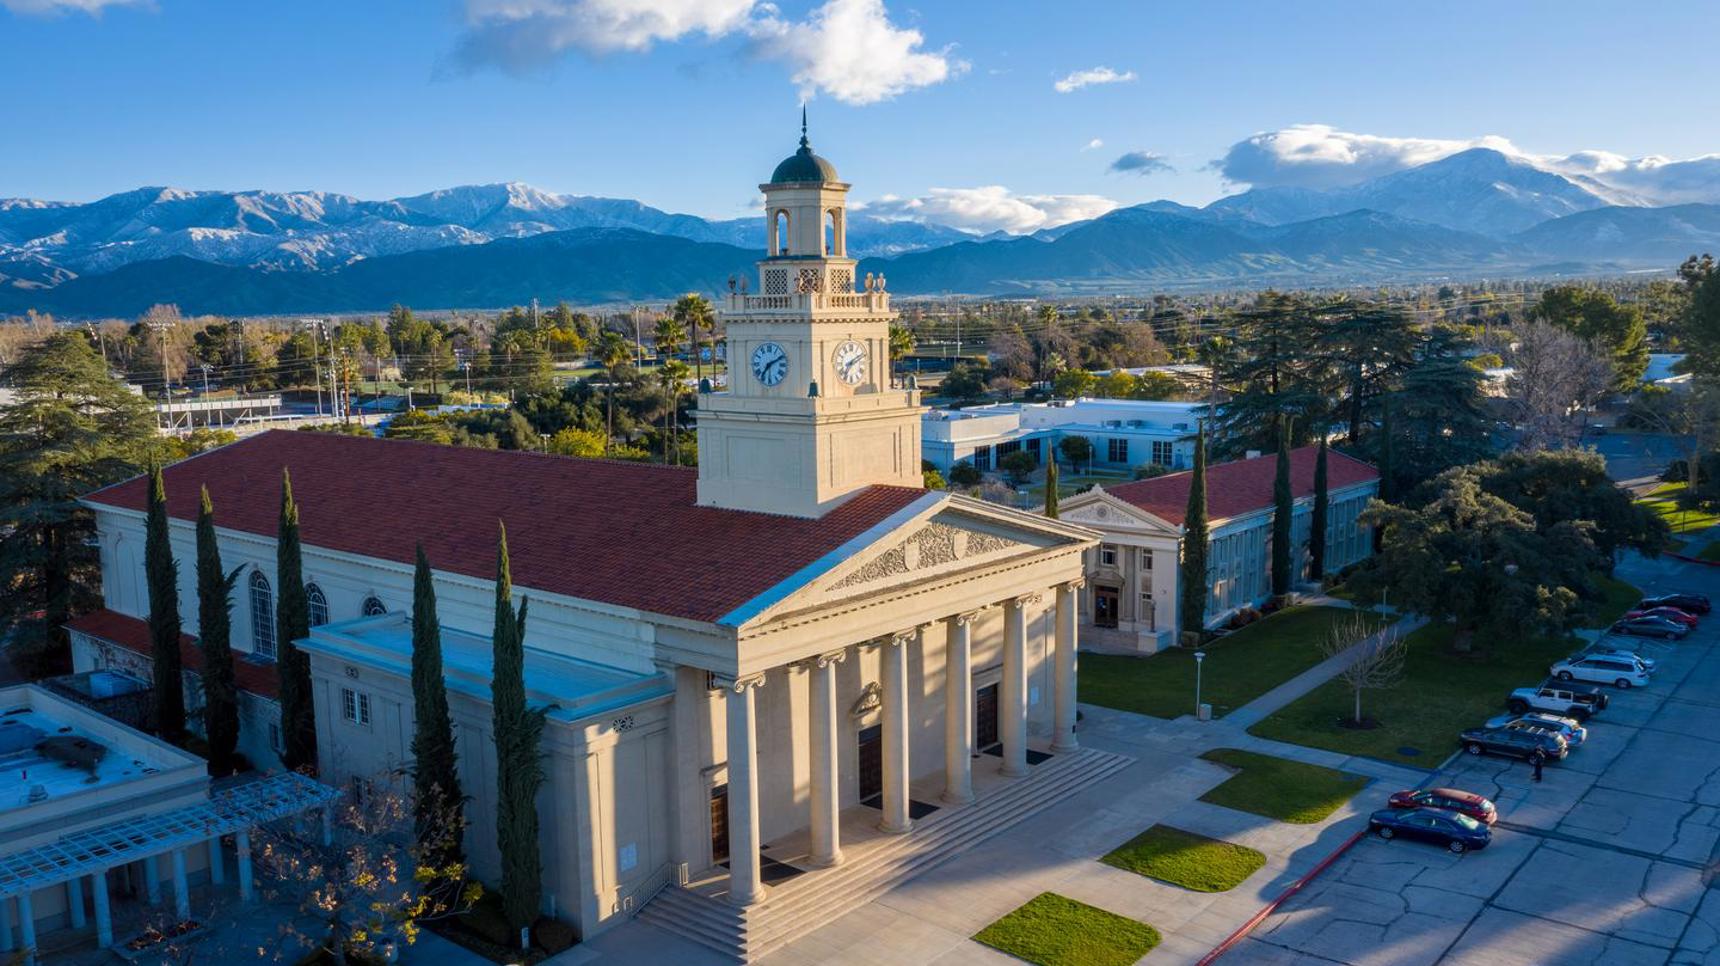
1107, 555
355, 706
1004, 449
1163, 452
1148, 615
1146, 559
275, 738
1117, 450
982, 458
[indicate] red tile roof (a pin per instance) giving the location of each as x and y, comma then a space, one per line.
1241, 486
627, 534
257, 677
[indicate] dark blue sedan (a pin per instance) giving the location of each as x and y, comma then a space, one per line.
1455, 831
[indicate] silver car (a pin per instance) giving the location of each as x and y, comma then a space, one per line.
1573, 730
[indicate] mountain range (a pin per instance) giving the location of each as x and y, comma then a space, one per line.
1478, 212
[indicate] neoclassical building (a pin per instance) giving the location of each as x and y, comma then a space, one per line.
758, 674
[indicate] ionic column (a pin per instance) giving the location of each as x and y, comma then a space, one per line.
826, 768
104, 917
217, 868
75, 901
242, 856
151, 880
181, 889
894, 658
745, 887
1063, 669
5, 925
27, 928
1012, 722
958, 709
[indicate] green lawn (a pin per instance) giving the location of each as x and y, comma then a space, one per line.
1054, 931
1711, 552
1068, 486
1663, 500
1441, 694
1618, 598
1186, 859
1289, 791
1238, 668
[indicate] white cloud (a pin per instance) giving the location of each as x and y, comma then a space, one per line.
1142, 163
1090, 77
1321, 156
1094, 145
850, 50
50, 7
991, 208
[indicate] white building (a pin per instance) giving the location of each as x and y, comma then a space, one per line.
1134, 574
1125, 433
757, 674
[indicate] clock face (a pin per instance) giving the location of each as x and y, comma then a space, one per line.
769, 363
850, 360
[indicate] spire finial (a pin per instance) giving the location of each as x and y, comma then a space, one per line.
803, 142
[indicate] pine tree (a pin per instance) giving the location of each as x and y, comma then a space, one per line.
519, 769
161, 572
1283, 505
1388, 488
1051, 488
214, 625
1192, 578
438, 799
1317, 521
292, 622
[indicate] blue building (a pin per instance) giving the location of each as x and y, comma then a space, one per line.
1125, 433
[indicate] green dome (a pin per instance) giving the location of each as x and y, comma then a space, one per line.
803, 165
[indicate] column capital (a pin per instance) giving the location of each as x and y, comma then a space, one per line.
967, 617
908, 636
828, 658
1076, 584
1025, 600
740, 684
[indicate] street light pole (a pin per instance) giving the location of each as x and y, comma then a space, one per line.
1199, 658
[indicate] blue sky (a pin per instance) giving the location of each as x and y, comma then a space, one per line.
687, 104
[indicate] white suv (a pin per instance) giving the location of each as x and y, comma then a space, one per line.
1620, 670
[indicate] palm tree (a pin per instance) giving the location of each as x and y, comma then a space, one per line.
673, 376
668, 334
902, 342
612, 353
693, 311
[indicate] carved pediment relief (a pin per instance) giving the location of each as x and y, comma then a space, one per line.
933, 546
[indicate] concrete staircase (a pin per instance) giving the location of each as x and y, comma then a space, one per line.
809, 901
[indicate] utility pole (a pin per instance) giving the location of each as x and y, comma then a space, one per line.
205, 367
466, 365
315, 325
534, 313
638, 342
101, 341
160, 330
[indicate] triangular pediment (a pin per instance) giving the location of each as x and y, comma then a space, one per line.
1100, 510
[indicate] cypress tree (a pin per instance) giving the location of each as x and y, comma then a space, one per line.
1283, 505
293, 621
1317, 521
1051, 489
1387, 491
161, 572
1192, 590
519, 770
436, 781
214, 624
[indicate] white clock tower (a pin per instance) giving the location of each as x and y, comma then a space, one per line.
810, 415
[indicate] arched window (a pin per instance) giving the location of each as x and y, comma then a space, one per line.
779, 232
262, 616
318, 604
374, 607
833, 233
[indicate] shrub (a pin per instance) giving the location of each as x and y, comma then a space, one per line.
1017, 464
552, 935
1147, 471
965, 473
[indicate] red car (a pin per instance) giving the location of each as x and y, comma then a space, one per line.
1447, 799
1670, 613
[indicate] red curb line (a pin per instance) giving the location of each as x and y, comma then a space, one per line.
1243, 930
1689, 559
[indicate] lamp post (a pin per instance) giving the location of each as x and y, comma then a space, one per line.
1199, 658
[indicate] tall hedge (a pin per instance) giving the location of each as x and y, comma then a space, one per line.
161, 572
519, 768
215, 637
292, 622
438, 799
1192, 589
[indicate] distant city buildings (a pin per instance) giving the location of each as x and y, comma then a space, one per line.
1124, 433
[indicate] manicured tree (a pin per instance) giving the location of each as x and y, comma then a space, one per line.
1051, 488
1317, 520
1283, 505
519, 769
1191, 597
436, 781
162, 573
214, 635
292, 622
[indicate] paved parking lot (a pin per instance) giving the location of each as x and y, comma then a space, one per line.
1607, 861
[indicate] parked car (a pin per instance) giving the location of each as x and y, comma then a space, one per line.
1620, 672
1572, 729
1603, 649
1672, 614
1447, 799
1689, 603
1454, 830
1513, 743
1569, 700
1650, 627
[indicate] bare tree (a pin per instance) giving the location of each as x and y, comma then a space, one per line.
1556, 376
1375, 655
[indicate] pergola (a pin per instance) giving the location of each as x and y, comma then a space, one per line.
234, 809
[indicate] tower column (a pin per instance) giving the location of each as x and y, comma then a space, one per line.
826, 769
958, 709
1063, 668
745, 884
1013, 711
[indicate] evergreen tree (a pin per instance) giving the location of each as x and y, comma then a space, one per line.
1439, 411
1051, 488
161, 572
1317, 520
1274, 371
214, 626
1387, 466
436, 780
71, 428
1283, 506
519, 769
1192, 578
292, 622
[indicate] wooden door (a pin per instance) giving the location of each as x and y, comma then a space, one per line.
719, 824
1105, 606
871, 762
985, 717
